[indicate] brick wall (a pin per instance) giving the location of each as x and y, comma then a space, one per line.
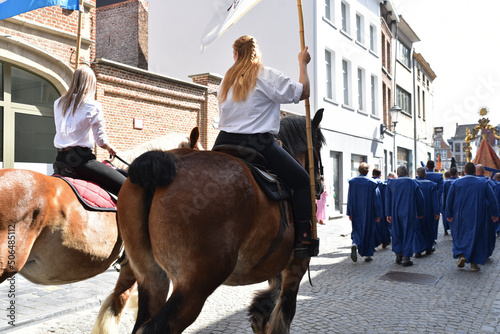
122, 33
54, 30
165, 105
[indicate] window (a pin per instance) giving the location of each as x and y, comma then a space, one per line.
423, 105
359, 28
356, 160
418, 100
328, 10
30, 116
384, 58
344, 9
457, 147
361, 80
373, 94
345, 76
403, 100
403, 54
373, 38
329, 74
403, 157
389, 59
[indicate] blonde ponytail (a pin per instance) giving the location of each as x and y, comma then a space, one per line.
242, 76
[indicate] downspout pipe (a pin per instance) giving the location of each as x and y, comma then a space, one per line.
414, 115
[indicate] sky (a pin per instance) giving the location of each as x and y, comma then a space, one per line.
461, 42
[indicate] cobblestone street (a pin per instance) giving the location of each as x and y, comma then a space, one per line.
346, 297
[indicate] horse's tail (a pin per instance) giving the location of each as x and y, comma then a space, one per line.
153, 169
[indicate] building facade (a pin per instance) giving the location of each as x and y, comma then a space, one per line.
37, 60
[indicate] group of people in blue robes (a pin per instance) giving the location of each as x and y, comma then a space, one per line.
472, 211
405, 212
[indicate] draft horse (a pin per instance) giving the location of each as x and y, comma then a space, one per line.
48, 237
198, 219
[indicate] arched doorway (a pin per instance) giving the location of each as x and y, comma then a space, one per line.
26, 120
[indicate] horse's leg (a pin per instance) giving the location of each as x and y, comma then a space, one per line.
283, 313
263, 304
108, 320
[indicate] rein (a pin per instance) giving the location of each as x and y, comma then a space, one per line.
117, 157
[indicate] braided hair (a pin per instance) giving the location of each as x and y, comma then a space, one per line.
242, 76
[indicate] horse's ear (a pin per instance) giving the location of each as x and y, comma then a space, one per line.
317, 118
193, 137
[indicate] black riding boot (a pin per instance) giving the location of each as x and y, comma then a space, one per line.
305, 246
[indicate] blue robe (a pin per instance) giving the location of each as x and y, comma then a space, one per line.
496, 190
383, 228
363, 206
438, 178
446, 189
403, 202
469, 202
424, 230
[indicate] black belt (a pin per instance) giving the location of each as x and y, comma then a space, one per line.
71, 148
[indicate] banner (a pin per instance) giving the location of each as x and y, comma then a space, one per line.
227, 12
9, 8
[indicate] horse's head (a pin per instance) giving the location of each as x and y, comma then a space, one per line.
294, 138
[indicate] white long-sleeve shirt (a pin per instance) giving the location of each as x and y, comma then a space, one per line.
260, 112
83, 128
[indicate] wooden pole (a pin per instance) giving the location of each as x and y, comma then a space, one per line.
79, 34
308, 130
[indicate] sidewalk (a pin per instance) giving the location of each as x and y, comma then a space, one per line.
346, 297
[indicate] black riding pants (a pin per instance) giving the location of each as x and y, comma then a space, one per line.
85, 164
281, 163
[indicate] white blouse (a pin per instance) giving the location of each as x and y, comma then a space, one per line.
260, 112
82, 129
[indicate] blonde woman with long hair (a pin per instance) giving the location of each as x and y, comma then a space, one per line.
80, 123
250, 96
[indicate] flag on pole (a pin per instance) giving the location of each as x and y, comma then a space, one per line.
227, 12
9, 8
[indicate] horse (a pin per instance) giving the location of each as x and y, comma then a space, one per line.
50, 238
198, 219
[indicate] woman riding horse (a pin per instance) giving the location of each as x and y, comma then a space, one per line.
79, 123
249, 106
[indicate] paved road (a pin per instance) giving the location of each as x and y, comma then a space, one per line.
346, 297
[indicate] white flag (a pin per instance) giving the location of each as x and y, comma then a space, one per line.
227, 12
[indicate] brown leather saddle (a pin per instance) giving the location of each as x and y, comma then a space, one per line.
272, 186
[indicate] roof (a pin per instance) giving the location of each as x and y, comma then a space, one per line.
460, 131
405, 28
425, 65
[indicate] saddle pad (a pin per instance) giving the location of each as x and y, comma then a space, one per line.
91, 194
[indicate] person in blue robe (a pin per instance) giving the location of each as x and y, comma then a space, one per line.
403, 206
446, 188
382, 228
492, 226
438, 178
424, 230
364, 208
497, 194
470, 206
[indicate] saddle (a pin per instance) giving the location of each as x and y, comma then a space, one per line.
272, 186
91, 195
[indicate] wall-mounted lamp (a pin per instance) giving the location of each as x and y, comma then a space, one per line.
394, 111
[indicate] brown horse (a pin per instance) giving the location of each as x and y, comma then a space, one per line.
47, 236
199, 219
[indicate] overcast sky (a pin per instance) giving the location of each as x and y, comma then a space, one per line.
460, 40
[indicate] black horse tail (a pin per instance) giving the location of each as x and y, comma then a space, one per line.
153, 169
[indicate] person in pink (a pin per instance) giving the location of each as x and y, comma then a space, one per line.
321, 206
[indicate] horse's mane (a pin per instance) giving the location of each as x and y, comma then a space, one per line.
293, 135
164, 143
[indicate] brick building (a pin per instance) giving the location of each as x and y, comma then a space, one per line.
37, 59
